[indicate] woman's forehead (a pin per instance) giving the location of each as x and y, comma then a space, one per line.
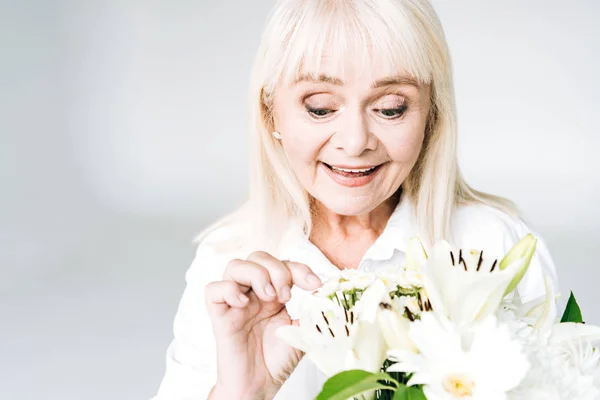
351, 70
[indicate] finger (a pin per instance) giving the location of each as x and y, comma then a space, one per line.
252, 276
222, 295
281, 277
303, 276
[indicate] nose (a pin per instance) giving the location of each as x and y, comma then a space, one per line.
354, 136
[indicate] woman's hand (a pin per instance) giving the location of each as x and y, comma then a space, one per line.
246, 308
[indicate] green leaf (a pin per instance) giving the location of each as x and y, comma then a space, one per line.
409, 393
572, 311
352, 383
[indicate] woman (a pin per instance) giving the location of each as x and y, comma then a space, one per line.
354, 152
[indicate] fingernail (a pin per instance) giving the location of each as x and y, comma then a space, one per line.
243, 298
313, 279
285, 293
269, 290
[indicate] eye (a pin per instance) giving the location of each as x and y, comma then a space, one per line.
320, 105
319, 112
391, 113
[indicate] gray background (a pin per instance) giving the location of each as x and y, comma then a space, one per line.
122, 135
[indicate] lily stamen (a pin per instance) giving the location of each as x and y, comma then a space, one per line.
325, 318
409, 315
494, 265
480, 260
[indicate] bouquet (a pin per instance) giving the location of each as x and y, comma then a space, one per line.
446, 325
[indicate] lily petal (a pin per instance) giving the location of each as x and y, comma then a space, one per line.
524, 249
370, 347
292, 335
368, 305
496, 283
546, 321
395, 330
415, 254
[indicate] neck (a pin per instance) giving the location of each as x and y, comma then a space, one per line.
327, 224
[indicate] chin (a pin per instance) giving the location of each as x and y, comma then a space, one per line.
350, 206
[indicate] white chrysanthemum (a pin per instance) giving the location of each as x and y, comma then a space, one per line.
564, 365
483, 362
346, 280
586, 359
394, 276
354, 279
559, 372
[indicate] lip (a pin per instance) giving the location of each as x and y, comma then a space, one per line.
352, 181
354, 166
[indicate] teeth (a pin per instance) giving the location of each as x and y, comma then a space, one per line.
353, 170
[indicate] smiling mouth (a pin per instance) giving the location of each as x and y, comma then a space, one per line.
353, 172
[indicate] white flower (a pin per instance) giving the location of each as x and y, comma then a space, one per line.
355, 279
558, 372
394, 276
409, 303
465, 287
407, 276
564, 364
336, 339
394, 325
586, 359
483, 363
346, 280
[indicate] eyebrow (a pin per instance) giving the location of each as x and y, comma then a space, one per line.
387, 81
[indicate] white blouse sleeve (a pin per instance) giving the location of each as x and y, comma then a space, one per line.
191, 357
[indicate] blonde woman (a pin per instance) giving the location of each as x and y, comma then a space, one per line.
353, 130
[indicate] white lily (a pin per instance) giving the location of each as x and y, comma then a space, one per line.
336, 339
394, 326
415, 254
465, 287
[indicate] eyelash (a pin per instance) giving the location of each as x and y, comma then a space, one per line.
400, 112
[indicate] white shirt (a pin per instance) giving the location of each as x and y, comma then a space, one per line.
191, 357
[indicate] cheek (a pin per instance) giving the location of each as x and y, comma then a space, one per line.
404, 148
302, 141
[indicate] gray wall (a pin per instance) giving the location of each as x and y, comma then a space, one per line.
122, 134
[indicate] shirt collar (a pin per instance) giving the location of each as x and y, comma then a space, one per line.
400, 228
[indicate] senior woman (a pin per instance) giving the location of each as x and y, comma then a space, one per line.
354, 134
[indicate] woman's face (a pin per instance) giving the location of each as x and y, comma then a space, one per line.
352, 143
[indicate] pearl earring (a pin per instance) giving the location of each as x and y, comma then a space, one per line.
277, 135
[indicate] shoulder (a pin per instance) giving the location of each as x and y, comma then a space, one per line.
487, 227
480, 226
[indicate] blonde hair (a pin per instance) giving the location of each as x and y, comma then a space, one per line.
401, 36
